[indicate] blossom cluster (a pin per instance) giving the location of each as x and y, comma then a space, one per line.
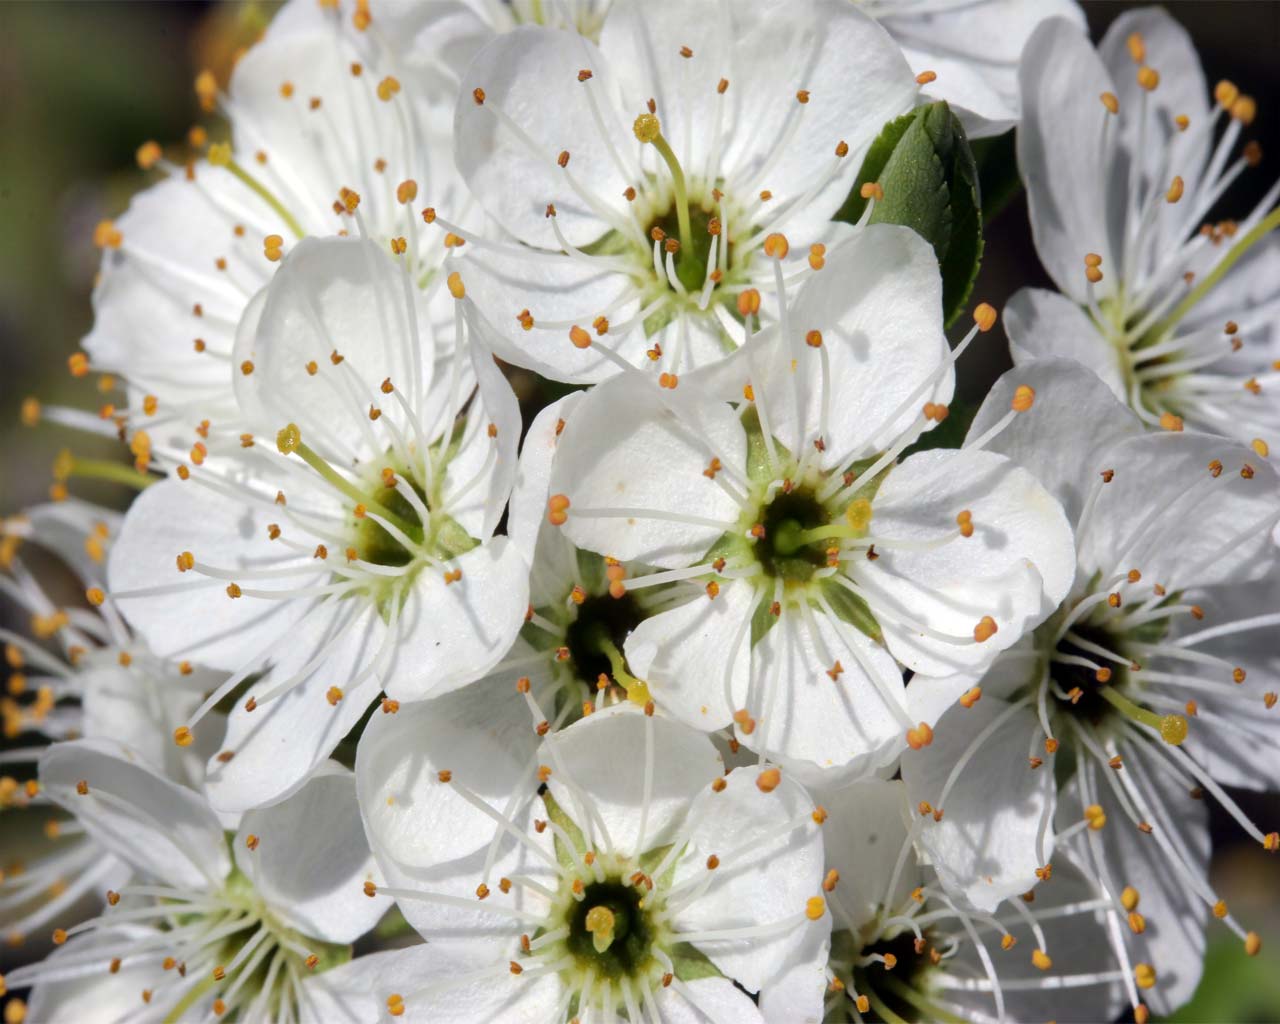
752, 678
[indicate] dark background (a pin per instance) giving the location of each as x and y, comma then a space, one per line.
82, 84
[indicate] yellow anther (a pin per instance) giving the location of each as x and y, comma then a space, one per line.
1168, 421
182, 736
220, 154
814, 908
985, 629
1110, 102
407, 191
387, 88
1225, 93
1244, 110
647, 127
984, 315
206, 86
1220, 909
919, 736
776, 246
148, 155
749, 302
1252, 944
871, 190
1144, 975
1148, 78
1041, 959
1175, 190
456, 288
1023, 398
1129, 898
1137, 48
1137, 923
925, 77
767, 781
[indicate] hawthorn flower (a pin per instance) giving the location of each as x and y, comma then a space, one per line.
349, 551
969, 51
562, 891
1129, 695
205, 930
80, 672
645, 177
901, 947
325, 139
814, 559
1117, 149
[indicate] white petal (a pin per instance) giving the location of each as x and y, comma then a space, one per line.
197, 620
1046, 325
707, 1001
974, 50
145, 303
1140, 522
626, 449
531, 76
1074, 423
864, 836
696, 658
163, 830
277, 745
551, 558
357, 991
984, 848
482, 734
1016, 567
800, 988
452, 633
348, 296
502, 996
759, 881
878, 306
809, 721
1183, 91
684, 763
311, 860
1061, 156
480, 476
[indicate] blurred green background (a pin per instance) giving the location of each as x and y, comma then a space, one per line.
82, 84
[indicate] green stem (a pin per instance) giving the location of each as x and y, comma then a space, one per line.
267, 196
906, 993
682, 195
190, 999
882, 1011
349, 489
116, 472
1263, 227
1128, 708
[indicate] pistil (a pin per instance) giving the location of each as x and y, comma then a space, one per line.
648, 129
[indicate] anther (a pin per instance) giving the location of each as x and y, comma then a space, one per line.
985, 629
919, 736
1148, 78
776, 246
1144, 975
1023, 398
871, 190
1110, 102
815, 907
767, 781
456, 287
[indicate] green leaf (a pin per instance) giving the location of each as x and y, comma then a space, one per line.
691, 964
998, 177
568, 859
924, 164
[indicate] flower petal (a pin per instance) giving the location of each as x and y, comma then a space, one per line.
1046, 325
310, 858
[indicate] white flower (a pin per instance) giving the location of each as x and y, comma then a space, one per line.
637, 880
318, 119
1176, 317
204, 930
972, 46
813, 559
101, 682
646, 177
356, 552
900, 944
1118, 678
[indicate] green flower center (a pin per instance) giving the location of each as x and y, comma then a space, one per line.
610, 931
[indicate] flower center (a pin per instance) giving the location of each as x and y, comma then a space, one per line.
885, 975
596, 637
610, 931
789, 549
